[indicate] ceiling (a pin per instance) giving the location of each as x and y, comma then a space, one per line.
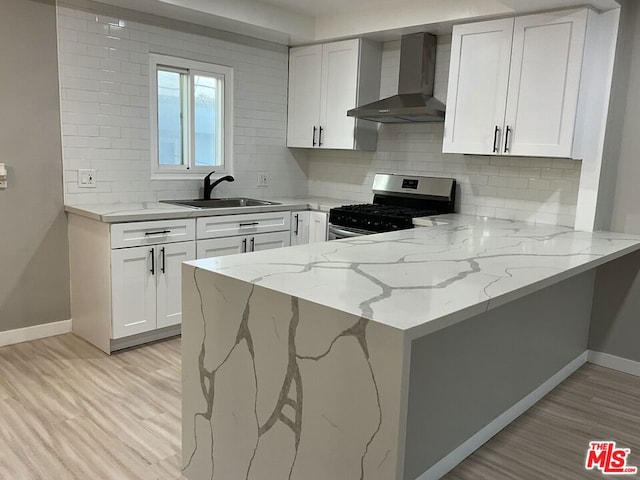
297, 22
316, 8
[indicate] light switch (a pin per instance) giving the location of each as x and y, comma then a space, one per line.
3, 175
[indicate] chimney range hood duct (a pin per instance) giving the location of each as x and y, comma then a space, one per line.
414, 101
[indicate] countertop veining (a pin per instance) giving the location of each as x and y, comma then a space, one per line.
423, 279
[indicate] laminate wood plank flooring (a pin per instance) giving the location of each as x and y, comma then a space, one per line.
68, 411
551, 439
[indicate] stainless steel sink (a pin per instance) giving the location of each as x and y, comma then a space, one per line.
221, 202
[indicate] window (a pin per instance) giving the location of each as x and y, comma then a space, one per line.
191, 118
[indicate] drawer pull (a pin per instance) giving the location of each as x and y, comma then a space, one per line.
250, 224
162, 232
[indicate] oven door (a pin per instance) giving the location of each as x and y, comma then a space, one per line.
336, 232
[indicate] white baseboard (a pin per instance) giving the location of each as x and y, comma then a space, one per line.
20, 335
477, 440
615, 363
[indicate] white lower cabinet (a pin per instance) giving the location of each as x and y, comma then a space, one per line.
169, 281
146, 285
134, 291
300, 228
231, 234
218, 247
308, 227
268, 241
318, 227
126, 279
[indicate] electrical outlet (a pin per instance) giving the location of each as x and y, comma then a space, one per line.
86, 178
263, 179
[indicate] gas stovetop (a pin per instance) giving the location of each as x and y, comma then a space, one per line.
397, 201
377, 218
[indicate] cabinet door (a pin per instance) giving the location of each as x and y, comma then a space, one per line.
133, 284
169, 284
267, 241
304, 96
544, 82
339, 89
318, 227
218, 247
478, 81
299, 228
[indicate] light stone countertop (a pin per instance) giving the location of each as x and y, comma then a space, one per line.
138, 212
424, 279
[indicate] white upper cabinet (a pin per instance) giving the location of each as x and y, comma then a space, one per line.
304, 95
514, 85
338, 91
544, 83
324, 82
478, 81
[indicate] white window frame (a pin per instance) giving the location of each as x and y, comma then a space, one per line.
192, 67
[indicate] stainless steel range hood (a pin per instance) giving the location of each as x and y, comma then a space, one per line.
414, 101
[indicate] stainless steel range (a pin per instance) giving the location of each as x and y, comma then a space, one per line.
397, 200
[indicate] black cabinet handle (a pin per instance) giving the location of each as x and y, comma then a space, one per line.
314, 136
320, 137
495, 139
506, 139
244, 245
253, 244
163, 260
297, 222
153, 261
250, 224
157, 233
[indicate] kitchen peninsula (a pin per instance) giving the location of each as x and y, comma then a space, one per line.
391, 356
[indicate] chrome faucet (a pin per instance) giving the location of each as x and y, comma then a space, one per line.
208, 186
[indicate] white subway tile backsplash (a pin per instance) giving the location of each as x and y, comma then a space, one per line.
531, 189
104, 78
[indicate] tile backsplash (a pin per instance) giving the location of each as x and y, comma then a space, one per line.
104, 82
104, 85
540, 190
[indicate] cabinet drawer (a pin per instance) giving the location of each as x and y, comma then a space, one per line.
136, 234
230, 225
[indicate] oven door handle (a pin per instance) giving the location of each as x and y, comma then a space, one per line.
343, 233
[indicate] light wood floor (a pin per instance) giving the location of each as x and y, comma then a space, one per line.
550, 440
68, 411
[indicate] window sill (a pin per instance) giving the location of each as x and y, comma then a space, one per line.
196, 176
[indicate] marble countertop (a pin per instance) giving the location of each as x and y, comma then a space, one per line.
425, 279
137, 212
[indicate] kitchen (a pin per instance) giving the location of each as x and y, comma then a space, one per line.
39, 287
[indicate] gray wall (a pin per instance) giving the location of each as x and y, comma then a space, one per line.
34, 259
615, 324
465, 376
